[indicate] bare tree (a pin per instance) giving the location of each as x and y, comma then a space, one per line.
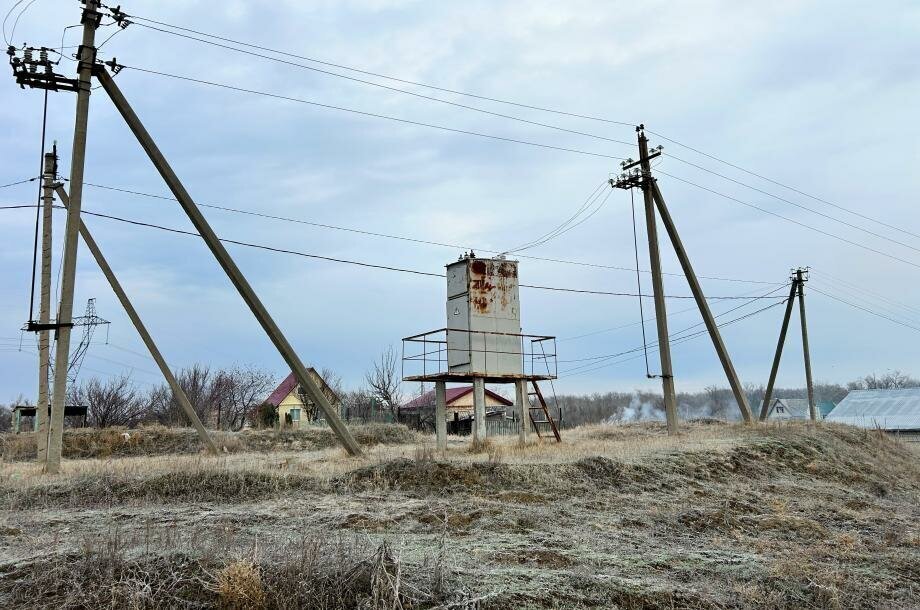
238, 393
197, 382
358, 404
114, 402
385, 382
892, 380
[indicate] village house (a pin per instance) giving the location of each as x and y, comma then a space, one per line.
797, 409
458, 404
295, 409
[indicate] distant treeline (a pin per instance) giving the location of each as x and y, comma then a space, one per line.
713, 402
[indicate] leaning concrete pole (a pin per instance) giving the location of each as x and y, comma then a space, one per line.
768, 395
44, 308
87, 58
697, 290
812, 410
177, 391
223, 257
661, 312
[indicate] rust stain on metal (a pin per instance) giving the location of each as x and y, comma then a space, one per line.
491, 285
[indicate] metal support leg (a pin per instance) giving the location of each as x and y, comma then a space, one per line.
479, 409
440, 414
177, 391
233, 272
522, 402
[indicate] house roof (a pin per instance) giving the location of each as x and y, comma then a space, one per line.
290, 382
452, 394
795, 408
825, 407
885, 409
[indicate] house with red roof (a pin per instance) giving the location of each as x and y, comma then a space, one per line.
295, 409
459, 403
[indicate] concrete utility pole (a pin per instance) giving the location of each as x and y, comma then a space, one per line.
801, 279
768, 396
86, 60
177, 390
661, 312
226, 262
44, 308
697, 290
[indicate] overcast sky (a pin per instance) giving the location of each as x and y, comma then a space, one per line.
821, 96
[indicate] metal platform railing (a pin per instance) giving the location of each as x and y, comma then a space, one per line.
457, 353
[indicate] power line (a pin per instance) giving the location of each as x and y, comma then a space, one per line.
409, 239
865, 309
3, 186
676, 341
381, 267
677, 334
374, 114
384, 76
389, 88
525, 142
822, 275
491, 99
868, 301
793, 203
780, 184
793, 221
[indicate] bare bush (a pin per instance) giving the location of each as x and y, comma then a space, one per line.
113, 402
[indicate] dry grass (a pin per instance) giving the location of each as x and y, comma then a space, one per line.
721, 516
146, 441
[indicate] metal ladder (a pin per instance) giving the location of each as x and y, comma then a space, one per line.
545, 410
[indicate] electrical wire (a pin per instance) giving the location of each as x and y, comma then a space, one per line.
677, 334
793, 203
410, 239
6, 18
679, 340
780, 184
866, 309
822, 274
373, 114
496, 100
38, 206
632, 207
18, 17
394, 89
793, 221
384, 76
3, 186
570, 223
372, 265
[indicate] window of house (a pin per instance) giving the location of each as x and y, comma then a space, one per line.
295, 415
780, 409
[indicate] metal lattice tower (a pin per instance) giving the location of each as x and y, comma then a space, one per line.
89, 321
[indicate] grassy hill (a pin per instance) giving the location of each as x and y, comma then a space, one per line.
722, 516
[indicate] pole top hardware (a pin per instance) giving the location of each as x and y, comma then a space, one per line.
38, 73
114, 65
